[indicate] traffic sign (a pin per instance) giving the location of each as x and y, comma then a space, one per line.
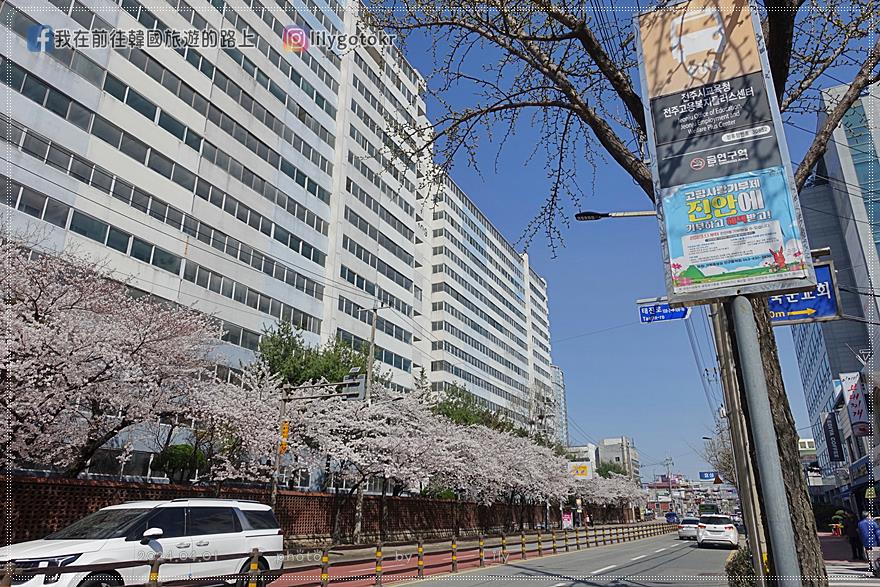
817, 304
708, 475
658, 310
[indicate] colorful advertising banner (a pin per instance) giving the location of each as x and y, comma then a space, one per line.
580, 469
729, 219
832, 437
856, 404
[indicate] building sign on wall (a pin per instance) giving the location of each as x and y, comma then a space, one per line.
856, 404
816, 305
580, 469
729, 218
832, 437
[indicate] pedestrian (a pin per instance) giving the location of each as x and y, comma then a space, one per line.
869, 532
851, 531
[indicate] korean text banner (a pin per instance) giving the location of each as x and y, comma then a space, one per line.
856, 404
729, 219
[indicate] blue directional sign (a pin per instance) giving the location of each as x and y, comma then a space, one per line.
820, 303
708, 475
660, 311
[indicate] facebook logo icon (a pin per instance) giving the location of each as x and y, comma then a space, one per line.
40, 38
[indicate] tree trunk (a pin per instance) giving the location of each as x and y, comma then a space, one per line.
88, 450
382, 509
358, 515
802, 518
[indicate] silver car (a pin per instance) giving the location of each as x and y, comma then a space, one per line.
687, 529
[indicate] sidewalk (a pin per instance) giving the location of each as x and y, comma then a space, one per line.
842, 570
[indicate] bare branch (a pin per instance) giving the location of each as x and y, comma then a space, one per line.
820, 143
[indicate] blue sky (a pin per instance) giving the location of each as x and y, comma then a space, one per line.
622, 378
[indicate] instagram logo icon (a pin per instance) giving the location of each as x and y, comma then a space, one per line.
295, 39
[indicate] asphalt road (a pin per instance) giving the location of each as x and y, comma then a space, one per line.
659, 561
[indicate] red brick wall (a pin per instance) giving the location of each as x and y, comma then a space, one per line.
39, 506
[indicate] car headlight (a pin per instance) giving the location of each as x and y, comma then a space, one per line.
58, 561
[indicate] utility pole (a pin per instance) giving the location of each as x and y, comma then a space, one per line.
785, 556
350, 380
372, 356
668, 463
745, 482
359, 503
282, 442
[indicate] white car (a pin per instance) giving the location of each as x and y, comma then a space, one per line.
687, 529
193, 531
717, 529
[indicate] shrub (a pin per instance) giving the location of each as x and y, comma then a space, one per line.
739, 569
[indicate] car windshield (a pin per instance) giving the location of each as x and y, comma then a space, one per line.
690, 522
715, 520
100, 525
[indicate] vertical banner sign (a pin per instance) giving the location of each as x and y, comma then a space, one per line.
832, 437
856, 404
729, 219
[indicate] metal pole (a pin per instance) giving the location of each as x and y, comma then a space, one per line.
372, 356
785, 557
744, 479
668, 462
278, 451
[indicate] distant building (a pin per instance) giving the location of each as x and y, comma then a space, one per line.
560, 405
621, 451
584, 452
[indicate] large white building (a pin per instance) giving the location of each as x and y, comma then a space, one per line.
257, 185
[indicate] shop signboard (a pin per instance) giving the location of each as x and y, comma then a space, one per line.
832, 437
856, 404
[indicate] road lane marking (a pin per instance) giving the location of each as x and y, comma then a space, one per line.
638, 557
660, 549
597, 571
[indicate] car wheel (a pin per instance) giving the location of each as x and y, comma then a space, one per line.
242, 581
102, 580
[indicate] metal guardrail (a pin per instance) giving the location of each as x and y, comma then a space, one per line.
533, 544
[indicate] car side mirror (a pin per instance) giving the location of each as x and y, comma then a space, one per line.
151, 534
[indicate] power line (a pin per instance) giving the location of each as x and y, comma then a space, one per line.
197, 244
591, 333
691, 338
341, 287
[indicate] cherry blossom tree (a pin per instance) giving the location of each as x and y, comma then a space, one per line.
614, 493
236, 424
83, 359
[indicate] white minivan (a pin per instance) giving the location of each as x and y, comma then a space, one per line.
717, 529
193, 532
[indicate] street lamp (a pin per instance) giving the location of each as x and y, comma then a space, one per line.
587, 216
